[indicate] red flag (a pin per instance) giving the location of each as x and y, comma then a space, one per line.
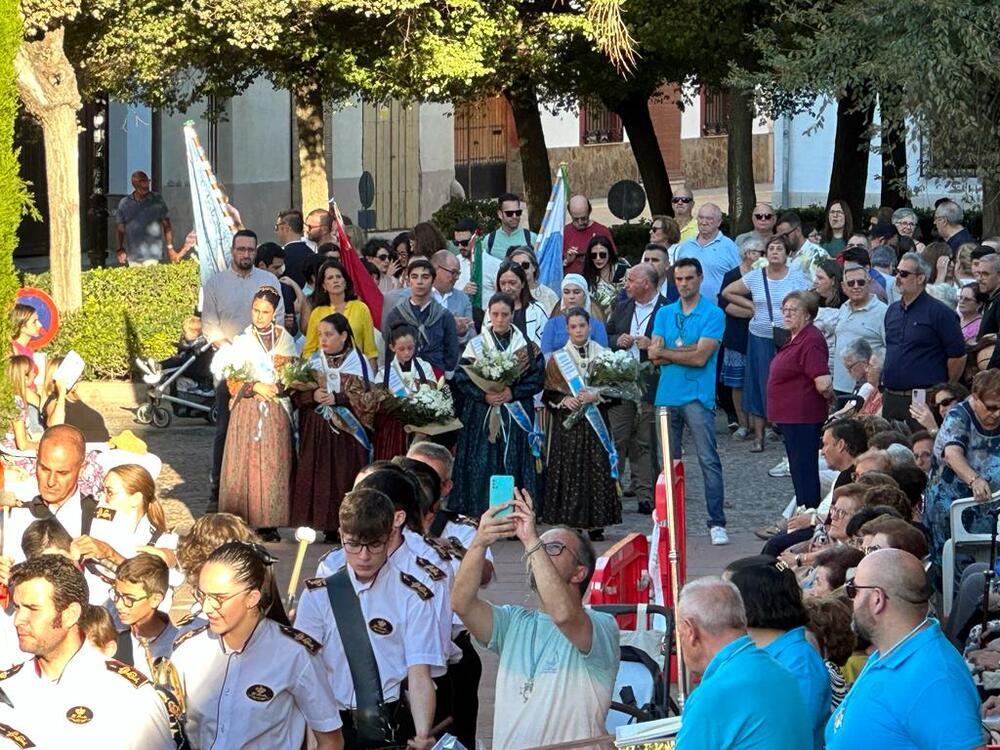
364, 286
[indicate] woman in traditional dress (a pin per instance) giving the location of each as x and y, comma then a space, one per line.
257, 464
498, 433
335, 294
401, 376
580, 489
334, 424
529, 315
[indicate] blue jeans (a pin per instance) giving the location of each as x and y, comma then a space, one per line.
701, 422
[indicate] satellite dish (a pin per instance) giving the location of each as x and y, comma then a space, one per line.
626, 199
366, 189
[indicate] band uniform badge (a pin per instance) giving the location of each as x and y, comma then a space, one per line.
380, 626
79, 715
260, 693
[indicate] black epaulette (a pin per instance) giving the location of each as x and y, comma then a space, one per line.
435, 573
412, 583
312, 646
315, 583
467, 521
11, 671
20, 739
130, 673
190, 634
457, 548
438, 546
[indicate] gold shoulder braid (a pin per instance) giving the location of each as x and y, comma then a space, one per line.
130, 673
311, 645
412, 583
432, 570
190, 634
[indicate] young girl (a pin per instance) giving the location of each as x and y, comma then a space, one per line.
401, 376
25, 428
335, 420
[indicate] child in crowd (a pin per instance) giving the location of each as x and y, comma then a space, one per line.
198, 377
403, 374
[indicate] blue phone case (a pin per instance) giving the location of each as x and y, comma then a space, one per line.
501, 492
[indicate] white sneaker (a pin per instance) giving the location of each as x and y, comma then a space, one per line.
741, 434
719, 535
780, 469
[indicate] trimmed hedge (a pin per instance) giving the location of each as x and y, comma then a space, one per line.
483, 211
126, 313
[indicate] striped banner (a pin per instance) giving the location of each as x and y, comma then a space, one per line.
212, 223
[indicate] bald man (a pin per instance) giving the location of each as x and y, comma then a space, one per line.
716, 252
579, 232
745, 698
144, 228
915, 691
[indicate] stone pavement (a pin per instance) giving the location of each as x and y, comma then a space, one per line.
752, 498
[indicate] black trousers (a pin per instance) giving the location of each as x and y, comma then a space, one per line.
465, 677
219, 443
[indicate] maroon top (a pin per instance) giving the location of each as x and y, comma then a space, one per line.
791, 393
573, 237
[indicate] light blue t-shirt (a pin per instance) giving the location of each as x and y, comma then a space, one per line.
919, 697
717, 258
681, 384
498, 242
547, 690
746, 701
800, 657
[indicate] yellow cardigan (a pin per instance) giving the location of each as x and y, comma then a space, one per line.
357, 315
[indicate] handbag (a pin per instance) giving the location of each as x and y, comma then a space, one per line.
779, 335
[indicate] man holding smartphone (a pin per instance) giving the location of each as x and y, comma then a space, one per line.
558, 663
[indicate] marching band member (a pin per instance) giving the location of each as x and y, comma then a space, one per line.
71, 695
250, 681
389, 627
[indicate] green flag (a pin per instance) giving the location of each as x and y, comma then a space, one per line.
476, 277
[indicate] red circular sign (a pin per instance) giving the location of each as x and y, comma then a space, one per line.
48, 314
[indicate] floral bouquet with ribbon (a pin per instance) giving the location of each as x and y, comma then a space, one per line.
491, 372
606, 294
429, 410
244, 364
614, 375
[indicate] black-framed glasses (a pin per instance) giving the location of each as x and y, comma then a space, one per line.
382, 256
216, 600
462, 243
945, 402
554, 549
763, 217
991, 408
656, 228
127, 599
452, 271
871, 548
681, 199
900, 273
354, 547
512, 214
856, 282
852, 589
599, 255
525, 264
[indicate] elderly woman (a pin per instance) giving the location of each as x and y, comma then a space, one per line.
941, 399
970, 312
799, 390
529, 315
837, 227
544, 296
760, 292
580, 488
734, 340
864, 365
906, 223
966, 462
574, 295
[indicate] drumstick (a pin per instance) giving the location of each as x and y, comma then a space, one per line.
304, 536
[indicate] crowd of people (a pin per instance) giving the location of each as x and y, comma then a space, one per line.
870, 355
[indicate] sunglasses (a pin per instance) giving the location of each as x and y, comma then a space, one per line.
682, 200
525, 264
382, 256
852, 589
462, 243
511, 214
856, 282
598, 255
656, 228
763, 217
905, 274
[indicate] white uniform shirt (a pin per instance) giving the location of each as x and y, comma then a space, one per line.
96, 703
260, 698
402, 628
641, 316
69, 514
13, 735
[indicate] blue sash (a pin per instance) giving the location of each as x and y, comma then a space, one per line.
571, 373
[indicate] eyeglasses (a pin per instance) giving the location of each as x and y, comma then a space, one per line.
511, 214
656, 228
680, 199
948, 401
763, 217
462, 243
525, 264
837, 513
868, 550
834, 212
554, 549
856, 282
382, 256
852, 589
216, 600
791, 310
452, 271
579, 219
900, 273
991, 408
127, 599
599, 255
355, 547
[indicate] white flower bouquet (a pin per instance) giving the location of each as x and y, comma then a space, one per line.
606, 294
234, 362
497, 367
429, 410
298, 375
617, 375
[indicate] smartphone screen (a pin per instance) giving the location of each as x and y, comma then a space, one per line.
920, 395
501, 492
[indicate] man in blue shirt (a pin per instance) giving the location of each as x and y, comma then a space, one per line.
915, 691
746, 700
924, 345
716, 252
686, 338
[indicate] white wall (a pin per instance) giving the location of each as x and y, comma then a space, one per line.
130, 144
561, 128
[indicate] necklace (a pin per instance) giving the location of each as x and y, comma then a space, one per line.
529, 685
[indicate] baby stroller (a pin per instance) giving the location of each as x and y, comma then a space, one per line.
166, 384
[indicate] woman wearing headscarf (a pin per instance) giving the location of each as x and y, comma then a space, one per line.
574, 294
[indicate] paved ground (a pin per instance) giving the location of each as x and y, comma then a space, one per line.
752, 498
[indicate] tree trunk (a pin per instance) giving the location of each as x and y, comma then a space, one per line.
893, 150
991, 204
523, 99
739, 161
849, 173
634, 113
312, 147
46, 82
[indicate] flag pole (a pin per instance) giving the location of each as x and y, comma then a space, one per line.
663, 415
